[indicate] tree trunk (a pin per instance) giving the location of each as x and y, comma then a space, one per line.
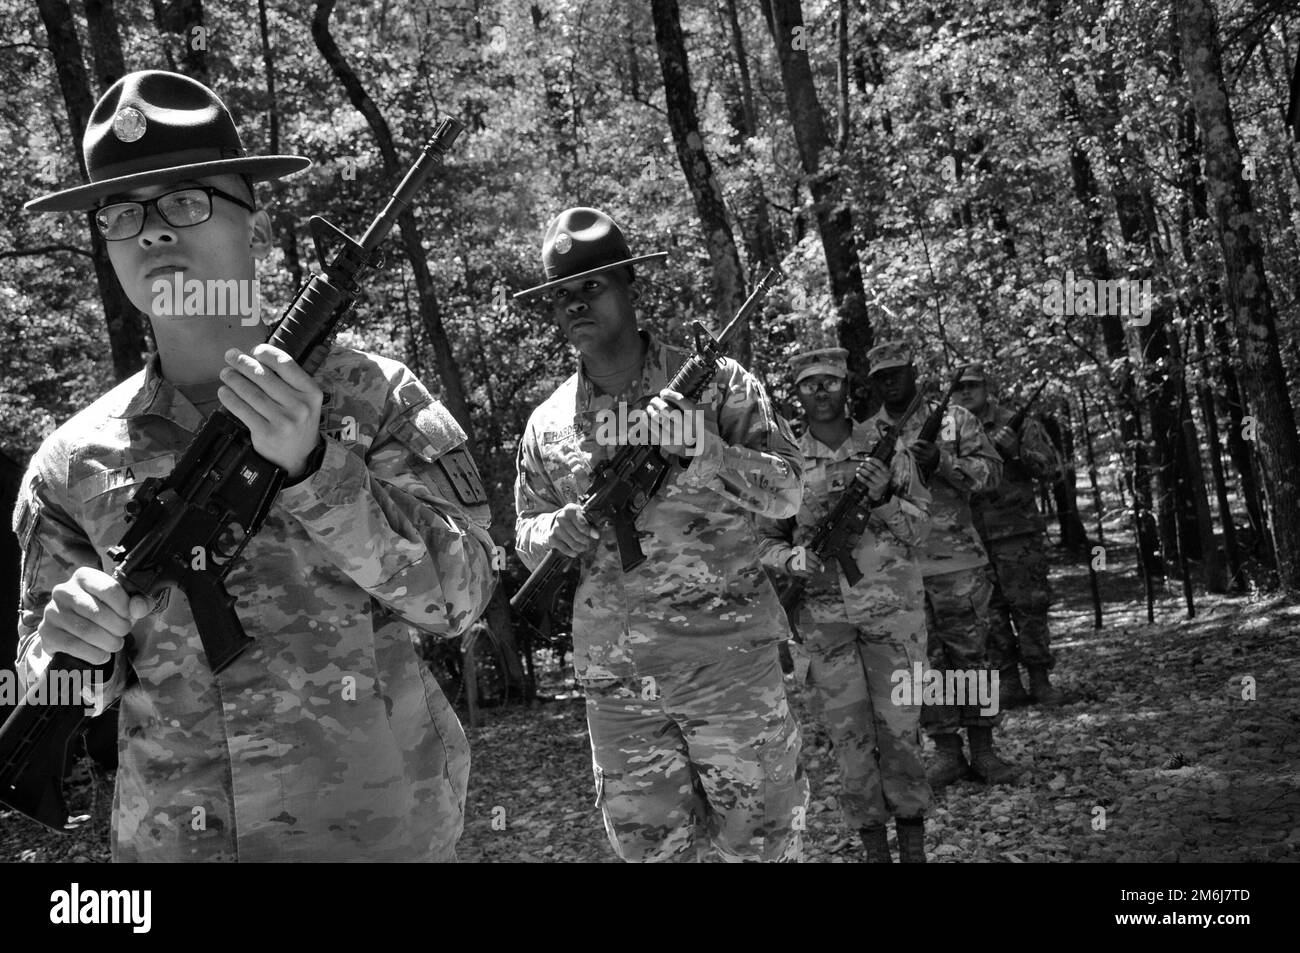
105, 43
1133, 205
1084, 184
1130, 200
126, 335
184, 19
1207, 297
412, 241
1064, 490
1243, 459
283, 220
501, 621
1097, 502
830, 205
679, 95
760, 242
845, 124
1192, 479
1223, 571
1277, 442
1209, 415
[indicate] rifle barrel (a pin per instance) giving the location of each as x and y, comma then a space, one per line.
430, 157
764, 285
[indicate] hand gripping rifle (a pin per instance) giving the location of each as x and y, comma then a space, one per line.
838, 532
930, 429
188, 528
623, 486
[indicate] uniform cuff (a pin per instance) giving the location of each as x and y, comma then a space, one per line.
887, 508
706, 464
340, 479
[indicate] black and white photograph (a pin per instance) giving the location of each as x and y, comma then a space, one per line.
691, 431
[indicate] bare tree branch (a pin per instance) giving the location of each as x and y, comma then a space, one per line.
45, 250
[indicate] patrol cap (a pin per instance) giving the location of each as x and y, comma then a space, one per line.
888, 354
833, 361
973, 372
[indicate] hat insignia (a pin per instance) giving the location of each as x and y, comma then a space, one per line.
129, 124
563, 243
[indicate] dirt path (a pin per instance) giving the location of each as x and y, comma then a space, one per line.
1142, 695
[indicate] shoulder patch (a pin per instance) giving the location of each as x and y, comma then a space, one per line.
425, 425
428, 428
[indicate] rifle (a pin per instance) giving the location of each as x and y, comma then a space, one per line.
187, 529
1018, 421
838, 532
930, 429
623, 486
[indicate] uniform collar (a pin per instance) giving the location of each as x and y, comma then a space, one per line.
158, 397
861, 437
654, 374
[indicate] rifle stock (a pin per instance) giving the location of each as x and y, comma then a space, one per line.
189, 528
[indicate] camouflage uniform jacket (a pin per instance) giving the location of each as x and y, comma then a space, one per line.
883, 552
328, 739
967, 462
1009, 509
701, 593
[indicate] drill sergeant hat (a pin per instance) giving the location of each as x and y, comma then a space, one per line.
888, 354
827, 360
581, 242
154, 127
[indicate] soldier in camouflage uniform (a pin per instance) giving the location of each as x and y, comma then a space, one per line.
859, 638
685, 700
1014, 533
327, 739
952, 560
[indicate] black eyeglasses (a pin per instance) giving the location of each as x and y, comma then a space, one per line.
179, 209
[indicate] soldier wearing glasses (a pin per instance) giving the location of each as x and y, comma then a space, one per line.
328, 739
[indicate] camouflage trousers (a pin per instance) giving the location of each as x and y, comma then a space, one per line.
957, 623
714, 748
1021, 597
850, 683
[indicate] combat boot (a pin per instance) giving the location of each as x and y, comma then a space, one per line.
949, 764
1040, 686
984, 763
1011, 691
911, 839
876, 841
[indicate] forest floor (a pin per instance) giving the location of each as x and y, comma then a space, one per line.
1156, 756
